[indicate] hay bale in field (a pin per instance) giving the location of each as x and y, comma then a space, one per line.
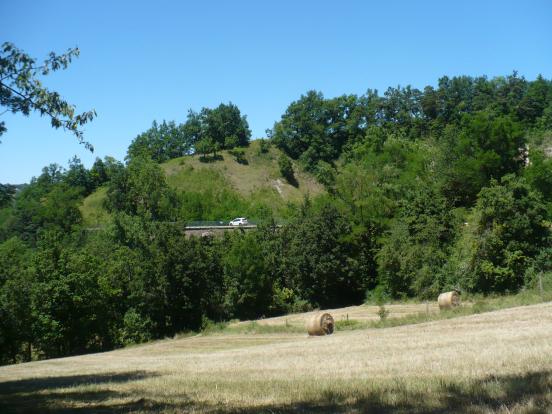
320, 324
449, 300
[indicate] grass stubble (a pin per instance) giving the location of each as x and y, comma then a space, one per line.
499, 362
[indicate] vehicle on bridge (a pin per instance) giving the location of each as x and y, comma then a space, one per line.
240, 221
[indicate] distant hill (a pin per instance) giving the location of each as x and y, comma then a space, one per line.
228, 187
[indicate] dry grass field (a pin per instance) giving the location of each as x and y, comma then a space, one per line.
496, 362
361, 313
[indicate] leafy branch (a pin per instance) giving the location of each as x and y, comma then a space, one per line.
22, 91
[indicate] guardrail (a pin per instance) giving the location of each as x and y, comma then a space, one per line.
245, 226
191, 227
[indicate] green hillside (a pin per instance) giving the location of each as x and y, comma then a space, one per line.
92, 209
223, 189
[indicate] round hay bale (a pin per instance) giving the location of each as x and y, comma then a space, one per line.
449, 300
320, 324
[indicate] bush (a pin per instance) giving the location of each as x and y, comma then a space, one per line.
377, 296
325, 174
136, 328
264, 146
239, 155
539, 274
286, 168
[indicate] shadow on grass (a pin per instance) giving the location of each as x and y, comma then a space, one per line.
46, 383
531, 393
292, 180
55, 394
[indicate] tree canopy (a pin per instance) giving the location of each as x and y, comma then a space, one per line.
444, 187
207, 131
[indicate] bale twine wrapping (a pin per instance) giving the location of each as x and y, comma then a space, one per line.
449, 300
320, 324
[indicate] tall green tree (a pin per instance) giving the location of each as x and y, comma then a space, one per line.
485, 147
16, 283
141, 189
224, 122
506, 230
78, 176
417, 245
248, 286
539, 173
316, 262
47, 202
7, 192
534, 101
162, 142
302, 131
70, 308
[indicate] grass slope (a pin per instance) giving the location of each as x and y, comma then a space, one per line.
92, 210
496, 362
261, 173
224, 189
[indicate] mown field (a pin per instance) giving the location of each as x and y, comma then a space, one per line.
498, 362
356, 315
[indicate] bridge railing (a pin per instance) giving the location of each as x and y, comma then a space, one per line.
218, 223
204, 224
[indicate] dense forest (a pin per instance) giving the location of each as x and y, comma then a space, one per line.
445, 187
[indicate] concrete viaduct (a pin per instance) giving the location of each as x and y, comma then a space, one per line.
204, 231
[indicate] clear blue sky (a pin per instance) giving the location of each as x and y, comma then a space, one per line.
142, 61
